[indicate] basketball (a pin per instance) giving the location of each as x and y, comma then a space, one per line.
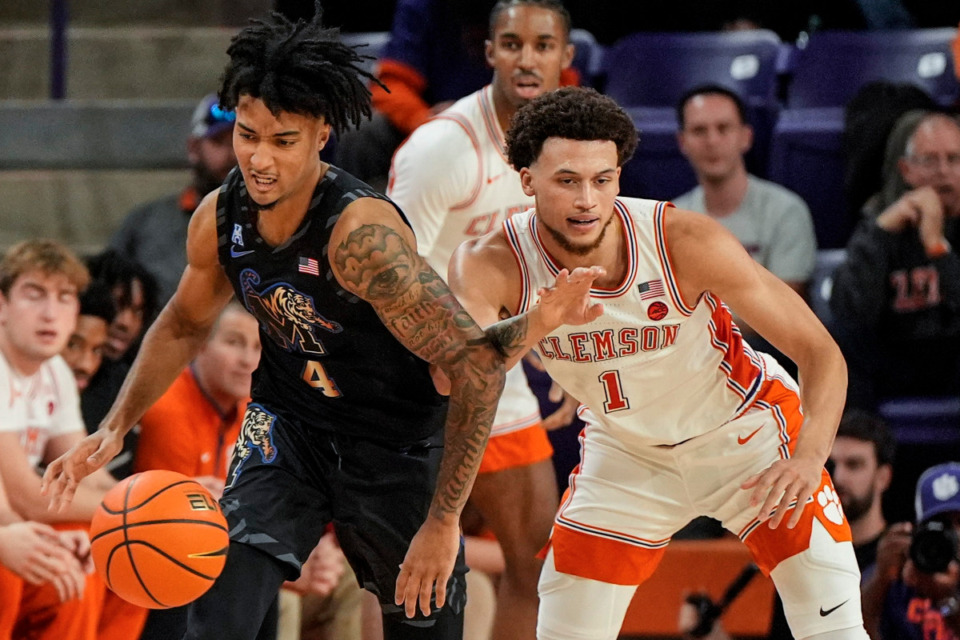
159, 539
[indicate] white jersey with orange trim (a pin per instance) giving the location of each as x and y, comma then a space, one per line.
653, 369
39, 407
452, 180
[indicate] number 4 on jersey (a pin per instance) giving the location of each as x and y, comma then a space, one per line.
616, 401
315, 376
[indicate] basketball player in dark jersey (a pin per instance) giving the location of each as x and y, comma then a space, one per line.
345, 423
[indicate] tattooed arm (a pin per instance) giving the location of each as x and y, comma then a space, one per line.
484, 275
373, 254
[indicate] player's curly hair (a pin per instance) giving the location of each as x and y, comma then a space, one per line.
298, 67
573, 113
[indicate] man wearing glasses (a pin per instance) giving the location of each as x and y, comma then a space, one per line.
155, 233
896, 299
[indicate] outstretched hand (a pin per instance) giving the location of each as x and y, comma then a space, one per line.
568, 301
63, 475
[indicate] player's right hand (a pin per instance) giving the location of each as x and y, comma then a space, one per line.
64, 474
34, 552
568, 301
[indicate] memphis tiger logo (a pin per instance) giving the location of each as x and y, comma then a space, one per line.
255, 435
289, 317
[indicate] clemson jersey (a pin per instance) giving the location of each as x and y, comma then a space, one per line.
654, 369
40, 406
452, 179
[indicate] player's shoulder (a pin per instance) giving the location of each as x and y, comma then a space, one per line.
491, 251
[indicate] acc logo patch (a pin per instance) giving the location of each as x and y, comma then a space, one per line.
657, 311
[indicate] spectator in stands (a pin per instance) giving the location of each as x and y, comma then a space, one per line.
896, 298
154, 234
84, 350
862, 466
772, 223
134, 293
434, 57
40, 419
913, 594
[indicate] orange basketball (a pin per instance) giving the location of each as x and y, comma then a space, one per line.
159, 539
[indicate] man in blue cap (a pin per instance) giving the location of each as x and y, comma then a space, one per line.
154, 234
914, 591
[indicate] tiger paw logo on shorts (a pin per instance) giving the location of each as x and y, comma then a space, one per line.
255, 435
829, 503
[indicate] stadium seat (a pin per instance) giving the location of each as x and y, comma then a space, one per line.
655, 69
926, 420
833, 65
821, 282
657, 170
806, 156
588, 57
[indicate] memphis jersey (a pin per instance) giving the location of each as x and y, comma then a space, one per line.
452, 179
39, 407
327, 359
652, 369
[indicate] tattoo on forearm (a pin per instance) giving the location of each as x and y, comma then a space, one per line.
508, 336
416, 305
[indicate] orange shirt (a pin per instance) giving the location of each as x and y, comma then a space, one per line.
185, 432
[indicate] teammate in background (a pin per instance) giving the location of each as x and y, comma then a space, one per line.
683, 417
40, 419
345, 424
454, 183
84, 350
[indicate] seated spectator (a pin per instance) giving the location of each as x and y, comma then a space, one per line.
861, 465
84, 350
896, 298
913, 591
39, 420
154, 234
134, 293
772, 223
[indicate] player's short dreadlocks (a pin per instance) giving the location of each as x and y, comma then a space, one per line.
298, 67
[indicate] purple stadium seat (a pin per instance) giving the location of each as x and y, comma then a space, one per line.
806, 156
587, 57
833, 65
655, 69
657, 170
821, 282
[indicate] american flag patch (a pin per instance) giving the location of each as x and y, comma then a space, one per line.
651, 289
309, 265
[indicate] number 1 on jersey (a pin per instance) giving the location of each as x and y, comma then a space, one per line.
614, 390
316, 376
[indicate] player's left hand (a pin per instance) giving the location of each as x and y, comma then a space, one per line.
781, 484
428, 565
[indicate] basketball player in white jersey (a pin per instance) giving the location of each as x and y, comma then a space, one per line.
683, 417
452, 180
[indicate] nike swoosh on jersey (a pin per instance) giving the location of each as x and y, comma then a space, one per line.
827, 612
493, 179
239, 254
747, 439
